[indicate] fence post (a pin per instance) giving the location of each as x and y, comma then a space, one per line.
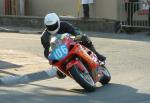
149, 14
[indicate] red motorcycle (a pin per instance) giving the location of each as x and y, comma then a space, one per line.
77, 62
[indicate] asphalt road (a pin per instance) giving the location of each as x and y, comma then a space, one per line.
128, 59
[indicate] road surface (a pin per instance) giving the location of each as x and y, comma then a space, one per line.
128, 59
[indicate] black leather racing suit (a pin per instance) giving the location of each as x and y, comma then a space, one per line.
65, 27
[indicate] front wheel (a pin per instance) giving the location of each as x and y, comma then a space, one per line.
83, 78
106, 75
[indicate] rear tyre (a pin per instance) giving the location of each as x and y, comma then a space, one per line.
106, 76
83, 78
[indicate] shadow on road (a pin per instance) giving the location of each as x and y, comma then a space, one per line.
7, 65
112, 93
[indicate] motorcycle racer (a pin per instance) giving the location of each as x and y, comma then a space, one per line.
55, 27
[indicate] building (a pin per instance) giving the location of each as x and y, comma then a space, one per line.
111, 12
107, 9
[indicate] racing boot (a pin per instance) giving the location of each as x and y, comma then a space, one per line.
60, 75
100, 57
53, 72
56, 72
88, 43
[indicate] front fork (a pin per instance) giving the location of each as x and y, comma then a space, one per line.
75, 62
96, 73
80, 66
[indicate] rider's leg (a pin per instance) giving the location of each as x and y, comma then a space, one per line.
88, 43
100, 57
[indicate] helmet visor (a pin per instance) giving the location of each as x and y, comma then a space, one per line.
52, 27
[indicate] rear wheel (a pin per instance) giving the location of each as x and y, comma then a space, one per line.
83, 78
106, 75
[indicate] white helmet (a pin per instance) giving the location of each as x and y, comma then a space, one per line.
52, 23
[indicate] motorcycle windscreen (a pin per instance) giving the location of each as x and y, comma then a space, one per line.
58, 53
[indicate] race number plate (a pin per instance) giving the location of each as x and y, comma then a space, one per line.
59, 53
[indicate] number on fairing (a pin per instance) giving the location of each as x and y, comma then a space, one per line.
64, 49
60, 52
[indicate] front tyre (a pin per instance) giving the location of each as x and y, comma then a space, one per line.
106, 75
83, 78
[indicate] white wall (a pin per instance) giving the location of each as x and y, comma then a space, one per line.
107, 9
62, 7
2, 7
